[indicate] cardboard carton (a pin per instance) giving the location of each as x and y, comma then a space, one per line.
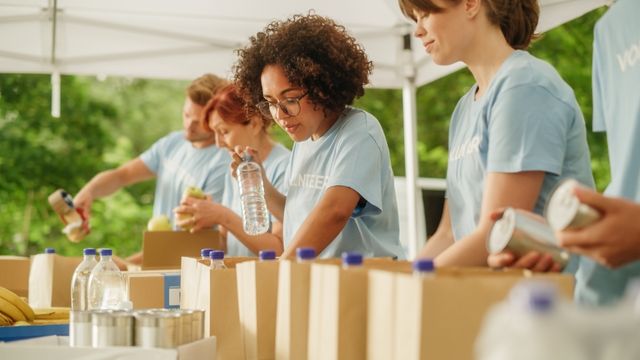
163, 249
14, 274
154, 289
50, 280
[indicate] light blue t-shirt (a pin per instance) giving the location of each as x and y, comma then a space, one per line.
616, 110
178, 165
527, 120
275, 166
352, 153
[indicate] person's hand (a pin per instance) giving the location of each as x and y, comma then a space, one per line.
613, 240
533, 261
204, 213
83, 200
237, 155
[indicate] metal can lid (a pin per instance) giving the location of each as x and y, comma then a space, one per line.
501, 232
114, 318
562, 205
156, 319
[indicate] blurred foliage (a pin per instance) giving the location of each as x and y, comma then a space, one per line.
105, 123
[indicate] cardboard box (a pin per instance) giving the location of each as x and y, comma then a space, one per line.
57, 348
163, 249
437, 317
215, 292
50, 280
14, 274
154, 289
257, 304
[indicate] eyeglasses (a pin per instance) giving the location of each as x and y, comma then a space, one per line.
290, 106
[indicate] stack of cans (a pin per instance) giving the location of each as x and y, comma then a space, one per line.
152, 328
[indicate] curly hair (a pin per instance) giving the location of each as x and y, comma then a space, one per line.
315, 53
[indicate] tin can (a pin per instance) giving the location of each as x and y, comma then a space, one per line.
76, 225
565, 211
112, 328
158, 329
198, 324
521, 232
80, 328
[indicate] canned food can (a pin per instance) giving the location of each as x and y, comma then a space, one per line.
198, 324
112, 328
565, 211
157, 329
521, 232
80, 328
186, 325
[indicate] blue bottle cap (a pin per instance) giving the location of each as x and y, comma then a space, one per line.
306, 253
105, 252
89, 251
423, 265
351, 258
216, 254
267, 255
49, 250
205, 252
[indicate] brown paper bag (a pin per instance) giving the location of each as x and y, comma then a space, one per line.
215, 291
14, 274
258, 298
164, 249
50, 280
437, 317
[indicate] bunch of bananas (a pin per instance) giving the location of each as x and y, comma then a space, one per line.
15, 311
13, 308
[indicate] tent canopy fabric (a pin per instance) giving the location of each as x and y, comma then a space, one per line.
184, 39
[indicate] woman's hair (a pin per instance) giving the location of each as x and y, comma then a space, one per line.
202, 89
516, 18
229, 105
315, 53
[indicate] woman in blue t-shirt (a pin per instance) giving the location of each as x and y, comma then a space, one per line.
225, 116
512, 137
304, 72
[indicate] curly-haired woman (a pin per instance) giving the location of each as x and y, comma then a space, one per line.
305, 72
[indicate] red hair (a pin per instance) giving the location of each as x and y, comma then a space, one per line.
229, 106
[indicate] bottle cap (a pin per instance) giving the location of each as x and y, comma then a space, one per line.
267, 255
534, 295
105, 252
216, 254
205, 252
49, 250
246, 156
351, 258
423, 265
306, 253
89, 251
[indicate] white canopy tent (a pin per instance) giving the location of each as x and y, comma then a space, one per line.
183, 39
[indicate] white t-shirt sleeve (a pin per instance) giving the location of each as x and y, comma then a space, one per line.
358, 165
528, 131
596, 83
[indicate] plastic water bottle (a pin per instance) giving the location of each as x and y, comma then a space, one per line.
107, 288
49, 250
267, 255
305, 254
424, 268
532, 324
204, 253
217, 259
351, 260
80, 281
255, 216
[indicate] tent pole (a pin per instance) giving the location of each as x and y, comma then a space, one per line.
410, 153
55, 75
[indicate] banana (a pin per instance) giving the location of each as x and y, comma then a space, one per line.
5, 320
11, 310
55, 313
17, 301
